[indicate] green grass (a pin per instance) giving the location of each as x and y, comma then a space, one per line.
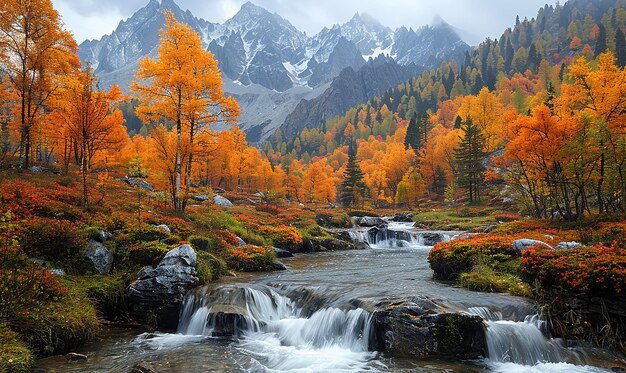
15, 357
485, 278
461, 218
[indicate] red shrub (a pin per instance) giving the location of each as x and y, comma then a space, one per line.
596, 271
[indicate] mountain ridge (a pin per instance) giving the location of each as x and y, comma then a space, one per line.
262, 52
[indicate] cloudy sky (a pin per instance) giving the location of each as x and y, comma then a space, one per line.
90, 19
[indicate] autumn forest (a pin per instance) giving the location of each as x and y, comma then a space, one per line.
509, 161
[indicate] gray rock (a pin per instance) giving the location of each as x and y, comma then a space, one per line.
36, 169
138, 183
526, 243
163, 227
182, 255
201, 197
370, 221
280, 253
57, 271
431, 238
100, 256
221, 201
39, 169
160, 291
240, 242
568, 245
104, 235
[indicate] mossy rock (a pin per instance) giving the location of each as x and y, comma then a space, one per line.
148, 253
210, 267
15, 357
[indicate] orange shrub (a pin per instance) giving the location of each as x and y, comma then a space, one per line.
449, 259
597, 271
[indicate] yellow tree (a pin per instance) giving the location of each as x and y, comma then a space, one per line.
486, 111
601, 95
35, 51
182, 87
89, 118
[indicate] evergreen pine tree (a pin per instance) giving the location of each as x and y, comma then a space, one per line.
620, 48
601, 42
413, 135
457, 122
352, 188
469, 156
551, 95
439, 182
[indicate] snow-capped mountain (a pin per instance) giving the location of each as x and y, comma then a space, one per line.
268, 64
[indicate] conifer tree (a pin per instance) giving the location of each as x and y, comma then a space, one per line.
469, 156
413, 135
601, 41
352, 188
620, 48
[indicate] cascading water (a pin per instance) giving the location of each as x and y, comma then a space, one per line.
523, 346
398, 235
278, 334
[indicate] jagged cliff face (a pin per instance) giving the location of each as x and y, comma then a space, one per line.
267, 63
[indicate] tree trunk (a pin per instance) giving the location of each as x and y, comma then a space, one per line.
189, 164
600, 182
177, 168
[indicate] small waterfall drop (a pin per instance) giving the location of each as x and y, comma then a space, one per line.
525, 343
277, 333
398, 235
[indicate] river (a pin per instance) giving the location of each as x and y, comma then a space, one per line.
313, 318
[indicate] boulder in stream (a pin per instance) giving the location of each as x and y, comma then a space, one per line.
421, 329
431, 238
280, 253
370, 221
159, 292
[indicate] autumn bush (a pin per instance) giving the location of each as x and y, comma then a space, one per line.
148, 253
251, 258
146, 233
449, 259
50, 238
284, 236
594, 271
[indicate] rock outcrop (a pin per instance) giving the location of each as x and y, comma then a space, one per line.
159, 292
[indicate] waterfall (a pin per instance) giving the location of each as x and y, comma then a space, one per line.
398, 235
201, 310
277, 333
522, 343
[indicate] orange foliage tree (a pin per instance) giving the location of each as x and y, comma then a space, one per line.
182, 87
35, 51
87, 118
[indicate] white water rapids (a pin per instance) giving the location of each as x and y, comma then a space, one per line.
304, 320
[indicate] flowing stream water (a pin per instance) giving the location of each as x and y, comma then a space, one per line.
314, 318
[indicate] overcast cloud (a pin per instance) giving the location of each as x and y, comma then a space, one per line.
90, 19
